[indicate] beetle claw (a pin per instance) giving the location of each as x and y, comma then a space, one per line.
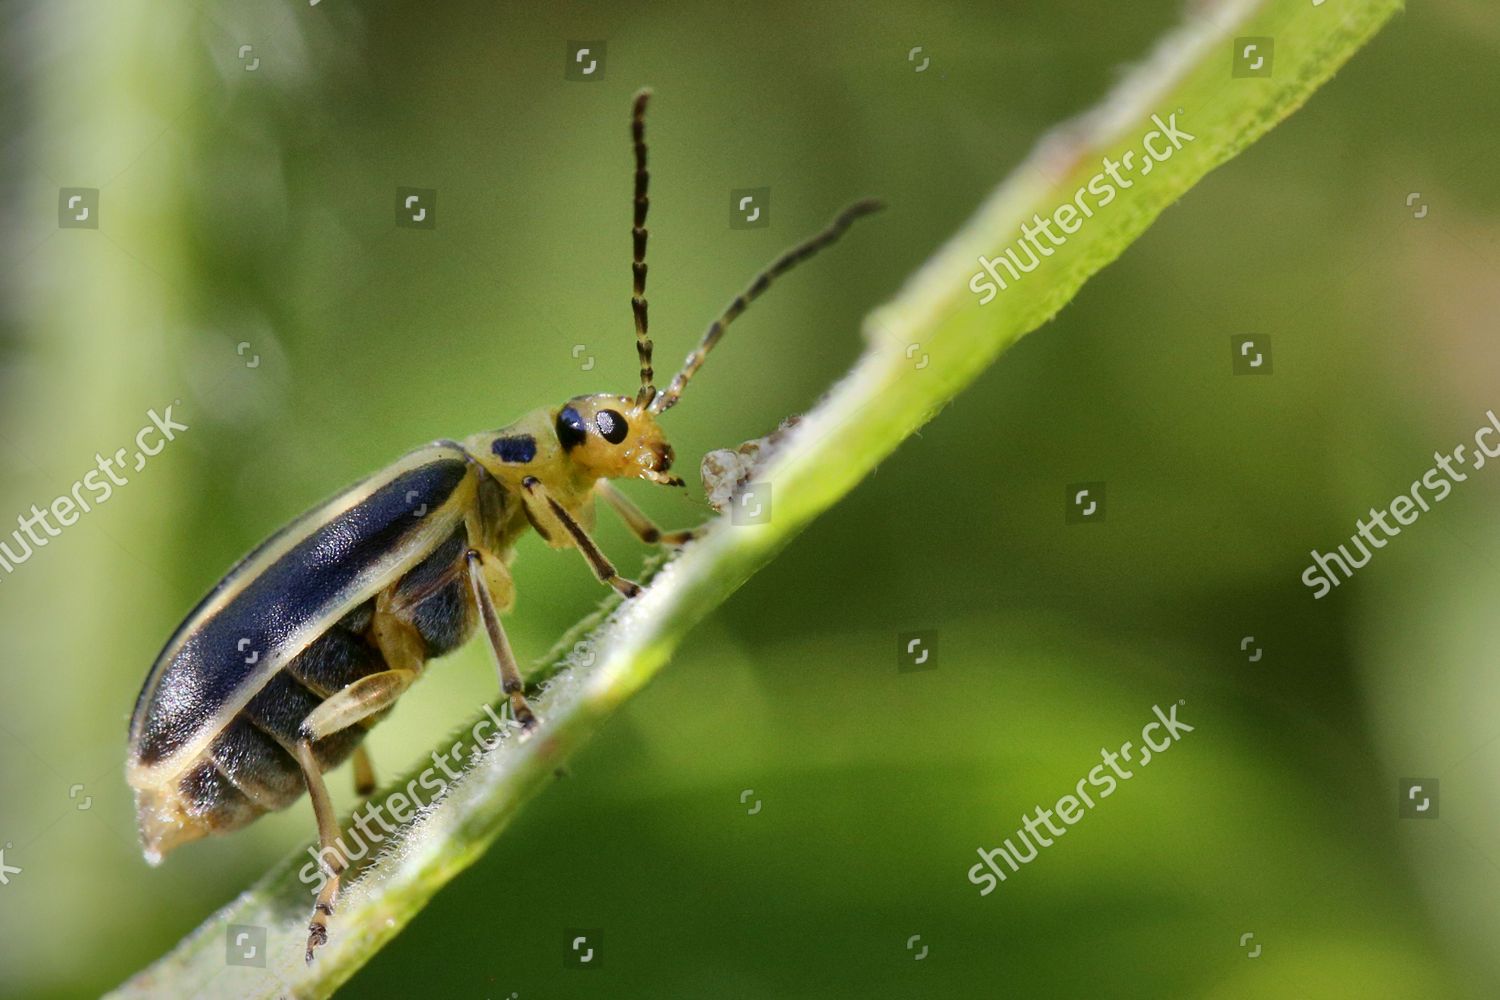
528, 722
317, 934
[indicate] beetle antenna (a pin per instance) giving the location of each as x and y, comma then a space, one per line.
788, 260
638, 234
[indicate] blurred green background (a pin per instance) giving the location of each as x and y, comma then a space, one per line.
255, 206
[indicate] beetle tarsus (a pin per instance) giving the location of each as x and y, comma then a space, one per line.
637, 521
318, 928
520, 708
317, 931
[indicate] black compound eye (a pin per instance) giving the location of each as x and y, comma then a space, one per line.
571, 430
612, 426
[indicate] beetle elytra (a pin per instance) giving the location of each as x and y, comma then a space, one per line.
277, 674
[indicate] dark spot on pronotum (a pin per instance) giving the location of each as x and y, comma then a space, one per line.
612, 426
571, 430
520, 448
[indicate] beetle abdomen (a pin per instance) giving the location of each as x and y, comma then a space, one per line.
249, 769
255, 768
445, 617
230, 645
340, 656
283, 630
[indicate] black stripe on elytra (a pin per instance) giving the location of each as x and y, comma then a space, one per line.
213, 662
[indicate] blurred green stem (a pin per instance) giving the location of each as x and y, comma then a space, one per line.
925, 346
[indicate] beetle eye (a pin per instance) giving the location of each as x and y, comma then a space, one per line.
571, 430
612, 426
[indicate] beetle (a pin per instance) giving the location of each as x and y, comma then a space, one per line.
308, 641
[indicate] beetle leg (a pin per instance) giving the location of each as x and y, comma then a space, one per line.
395, 636
505, 660
602, 567
636, 519
364, 772
328, 840
497, 576
342, 709
355, 702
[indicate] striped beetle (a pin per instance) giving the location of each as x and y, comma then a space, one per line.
276, 675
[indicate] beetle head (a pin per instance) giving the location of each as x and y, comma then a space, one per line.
614, 437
